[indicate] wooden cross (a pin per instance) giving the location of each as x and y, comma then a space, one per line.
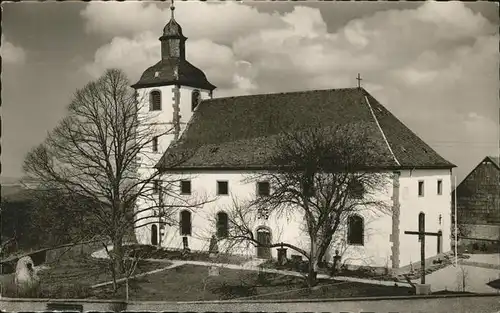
421, 234
359, 79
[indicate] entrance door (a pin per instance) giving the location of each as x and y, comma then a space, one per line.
154, 235
264, 237
440, 242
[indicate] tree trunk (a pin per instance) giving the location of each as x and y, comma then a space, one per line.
313, 265
118, 254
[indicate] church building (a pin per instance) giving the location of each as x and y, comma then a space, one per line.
227, 140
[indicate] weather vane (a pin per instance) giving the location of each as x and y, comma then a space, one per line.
172, 7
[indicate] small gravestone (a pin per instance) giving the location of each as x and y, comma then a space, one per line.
296, 258
282, 260
26, 278
336, 263
423, 289
185, 243
213, 248
213, 271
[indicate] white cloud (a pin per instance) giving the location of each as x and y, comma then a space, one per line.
428, 47
12, 54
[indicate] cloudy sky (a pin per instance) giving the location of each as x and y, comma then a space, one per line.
434, 65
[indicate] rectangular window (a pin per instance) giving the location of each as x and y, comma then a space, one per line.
222, 188
263, 188
156, 186
155, 144
440, 187
421, 188
186, 187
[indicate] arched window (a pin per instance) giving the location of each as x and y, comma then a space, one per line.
222, 225
355, 230
185, 223
154, 235
195, 99
155, 100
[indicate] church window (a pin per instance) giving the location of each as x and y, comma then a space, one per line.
355, 230
195, 99
155, 144
154, 235
155, 100
356, 189
185, 223
222, 188
263, 188
440, 187
222, 225
186, 187
421, 188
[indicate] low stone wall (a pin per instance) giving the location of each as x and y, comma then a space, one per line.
404, 304
33, 305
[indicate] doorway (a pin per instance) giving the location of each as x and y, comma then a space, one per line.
264, 237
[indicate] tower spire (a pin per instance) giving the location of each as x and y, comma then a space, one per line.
172, 8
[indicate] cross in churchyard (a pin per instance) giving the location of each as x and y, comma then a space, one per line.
421, 234
359, 79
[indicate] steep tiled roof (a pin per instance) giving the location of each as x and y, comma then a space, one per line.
238, 132
174, 71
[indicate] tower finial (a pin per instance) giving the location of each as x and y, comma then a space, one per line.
172, 7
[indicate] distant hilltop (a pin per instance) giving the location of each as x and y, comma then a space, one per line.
16, 181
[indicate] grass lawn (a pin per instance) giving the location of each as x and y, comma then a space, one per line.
72, 278
191, 283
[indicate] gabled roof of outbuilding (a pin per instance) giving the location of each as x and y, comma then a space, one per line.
239, 132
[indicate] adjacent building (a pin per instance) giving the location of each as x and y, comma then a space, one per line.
478, 204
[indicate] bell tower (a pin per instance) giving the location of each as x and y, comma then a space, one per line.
168, 94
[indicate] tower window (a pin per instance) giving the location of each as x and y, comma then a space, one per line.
263, 188
195, 99
186, 187
440, 187
355, 230
421, 188
222, 188
155, 144
155, 100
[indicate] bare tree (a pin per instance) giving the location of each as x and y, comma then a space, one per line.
322, 175
94, 154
